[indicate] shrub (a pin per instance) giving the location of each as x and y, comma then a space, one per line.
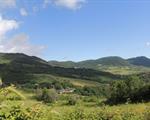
90, 91
72, 100
47, 95
90, 99
132, 89
10, 93
20, 113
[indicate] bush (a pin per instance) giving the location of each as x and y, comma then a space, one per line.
104, 114
132, 89
10, 93
20, 113
91, 91
90, 99
47, 95
72, 100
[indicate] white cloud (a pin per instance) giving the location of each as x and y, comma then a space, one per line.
148, 44
20, 44
23, 12
70, 4
7, 3
7, 25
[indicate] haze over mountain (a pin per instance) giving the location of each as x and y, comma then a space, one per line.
105, 61
113, 64
142, 61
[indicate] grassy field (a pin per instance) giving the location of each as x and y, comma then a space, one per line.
77, 82
124, 70
87, 108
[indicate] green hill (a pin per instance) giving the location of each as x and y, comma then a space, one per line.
113, 64
140, 61
66, 64
23, 69
108, 61
29, 70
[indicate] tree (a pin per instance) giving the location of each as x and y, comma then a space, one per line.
72, 100
47, 95
132, 89
118, 92
134, 84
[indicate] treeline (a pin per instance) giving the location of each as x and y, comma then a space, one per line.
131, 90
21, 71
92, 91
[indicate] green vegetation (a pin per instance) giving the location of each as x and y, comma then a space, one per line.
140, 61
72, 100
46, 95
44, 92
115, 65
132, 90
70, 107
27, 70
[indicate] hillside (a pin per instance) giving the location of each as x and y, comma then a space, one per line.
30, 70
113, 64
108, 61
140, 61
23, 69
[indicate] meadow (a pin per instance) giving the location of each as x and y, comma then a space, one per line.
31, 89
22, 105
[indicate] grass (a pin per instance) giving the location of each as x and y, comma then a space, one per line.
77, 82
124, 70
83, 110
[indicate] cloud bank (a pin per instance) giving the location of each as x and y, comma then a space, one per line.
7, 25
19, 43
7, 3
23, 12
70, 4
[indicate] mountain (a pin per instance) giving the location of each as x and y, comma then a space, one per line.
140, 61
113, 64
66, 64
106, 61
24, 69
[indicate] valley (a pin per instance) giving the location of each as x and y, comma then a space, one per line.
108, 87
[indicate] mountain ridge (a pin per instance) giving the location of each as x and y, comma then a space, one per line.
21, 69
110, 60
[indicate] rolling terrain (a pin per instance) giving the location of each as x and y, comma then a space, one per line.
113, 64
31, 89
23, 69
30, 70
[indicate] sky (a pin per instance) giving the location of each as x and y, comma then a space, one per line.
75, 29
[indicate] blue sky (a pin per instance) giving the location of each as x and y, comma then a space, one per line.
76, 29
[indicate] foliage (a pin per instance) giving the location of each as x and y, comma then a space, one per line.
104, 114
46, 95
58, 85
72, 100
91, 91
10, 93
133, 89
20, 113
